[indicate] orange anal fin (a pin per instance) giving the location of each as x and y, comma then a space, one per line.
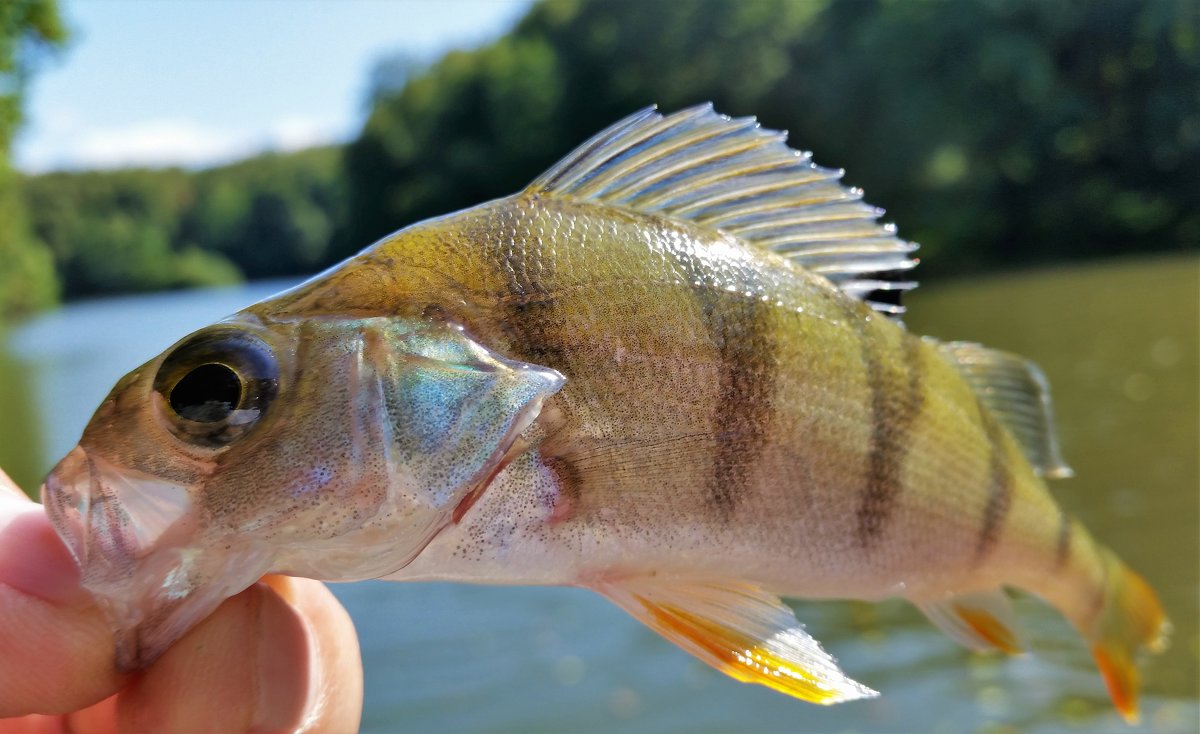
741, 631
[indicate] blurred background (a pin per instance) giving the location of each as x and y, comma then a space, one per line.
164, 164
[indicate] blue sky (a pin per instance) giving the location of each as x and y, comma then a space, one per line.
197, 82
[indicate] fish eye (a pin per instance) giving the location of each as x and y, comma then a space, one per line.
216, 386
207, 394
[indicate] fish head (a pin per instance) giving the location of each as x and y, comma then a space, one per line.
329, 447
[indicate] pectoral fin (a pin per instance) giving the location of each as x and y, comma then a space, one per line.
740, 630
979, 621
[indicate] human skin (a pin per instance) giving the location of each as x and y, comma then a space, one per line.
280, 656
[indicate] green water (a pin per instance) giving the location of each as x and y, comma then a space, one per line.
21, 452
1120, 344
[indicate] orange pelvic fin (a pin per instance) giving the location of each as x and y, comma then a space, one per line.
740, 630
980, 621
1131, 619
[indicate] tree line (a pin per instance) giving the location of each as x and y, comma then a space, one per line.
143, 229
996, 132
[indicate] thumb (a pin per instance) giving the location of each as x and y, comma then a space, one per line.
57, 650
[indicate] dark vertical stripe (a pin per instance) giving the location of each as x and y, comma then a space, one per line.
1062, 551
1000, 487
738, 325
740, 328
896, 401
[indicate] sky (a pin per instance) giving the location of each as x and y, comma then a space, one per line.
201, 82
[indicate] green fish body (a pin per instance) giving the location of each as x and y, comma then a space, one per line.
663, 371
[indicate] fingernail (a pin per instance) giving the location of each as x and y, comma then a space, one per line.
33, 559
285, 674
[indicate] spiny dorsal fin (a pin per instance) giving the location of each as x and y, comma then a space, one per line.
1017, 392
735, 176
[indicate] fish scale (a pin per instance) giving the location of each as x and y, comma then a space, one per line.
664, 371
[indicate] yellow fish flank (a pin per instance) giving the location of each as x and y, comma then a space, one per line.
667, 371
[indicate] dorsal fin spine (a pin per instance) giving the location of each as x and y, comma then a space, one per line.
737, 177
776, 183
815, 210
567, 171
758, 219
685, 205
631, 160
667, 165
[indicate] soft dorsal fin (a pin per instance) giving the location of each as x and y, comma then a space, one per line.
735, 176
1017, 392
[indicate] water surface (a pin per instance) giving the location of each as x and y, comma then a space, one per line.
1120, 344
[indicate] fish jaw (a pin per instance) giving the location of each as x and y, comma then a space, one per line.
143, 553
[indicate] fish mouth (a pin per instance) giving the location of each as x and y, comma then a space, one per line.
138, 541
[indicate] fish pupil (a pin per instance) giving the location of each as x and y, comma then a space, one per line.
207, 394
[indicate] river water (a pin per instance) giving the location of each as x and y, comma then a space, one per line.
1120, 344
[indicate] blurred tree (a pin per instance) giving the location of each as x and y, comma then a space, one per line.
998, 131
118, 231
138, 229
453, 136
29, 31
271, 215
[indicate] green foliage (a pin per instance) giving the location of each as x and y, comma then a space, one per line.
271, 215
139, 229
999, 132
27, 277
117, 231
454, 136
29, 30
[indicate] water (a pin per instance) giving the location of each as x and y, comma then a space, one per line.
1119, 343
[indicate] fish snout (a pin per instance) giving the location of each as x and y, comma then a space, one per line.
145, 554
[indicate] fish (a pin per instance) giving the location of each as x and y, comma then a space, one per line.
671, 370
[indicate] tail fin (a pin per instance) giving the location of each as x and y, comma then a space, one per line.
1131, 619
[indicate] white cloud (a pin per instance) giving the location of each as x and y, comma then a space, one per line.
155, 143
295, 133
67, 143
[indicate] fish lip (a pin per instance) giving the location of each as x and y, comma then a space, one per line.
111, 517
66, 506
140, 545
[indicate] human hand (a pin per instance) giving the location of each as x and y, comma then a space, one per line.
280, 656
